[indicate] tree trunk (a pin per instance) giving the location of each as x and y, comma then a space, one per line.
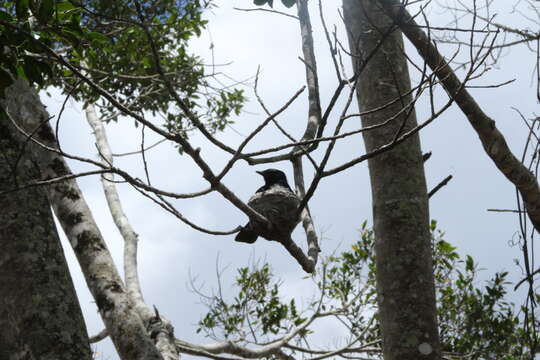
124, 325
405, 285
40, 317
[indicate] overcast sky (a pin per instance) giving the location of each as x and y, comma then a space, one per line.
169, 251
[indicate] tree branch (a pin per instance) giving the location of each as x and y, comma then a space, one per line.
439, 186
492, 140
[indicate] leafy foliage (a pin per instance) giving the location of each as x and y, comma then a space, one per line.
474, 320
286, 3
137, 51
26, 27
257, 306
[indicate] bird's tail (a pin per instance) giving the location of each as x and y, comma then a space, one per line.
246, 235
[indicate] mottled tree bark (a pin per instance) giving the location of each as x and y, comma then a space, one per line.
40, 317
405, 285
124, 325
163, 330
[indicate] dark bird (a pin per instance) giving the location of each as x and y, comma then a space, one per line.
277, 203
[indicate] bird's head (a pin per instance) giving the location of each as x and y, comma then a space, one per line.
273, 176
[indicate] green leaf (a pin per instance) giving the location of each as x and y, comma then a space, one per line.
21, 73
64, 6
21, 8
5, 16
44, 68
469, 263
34, 6
45, 11
264, 2
32, 70
5, 80
445, 247
65, 11
96, 36
73, 37
288, 3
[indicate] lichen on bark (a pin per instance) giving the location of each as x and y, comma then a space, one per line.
40, 316
405, 284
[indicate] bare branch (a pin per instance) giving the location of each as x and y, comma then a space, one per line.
103, 334
440, 185
267, 10
493, 141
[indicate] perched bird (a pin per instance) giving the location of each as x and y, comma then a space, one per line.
277, 203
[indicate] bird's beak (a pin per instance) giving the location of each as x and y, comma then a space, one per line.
260, 173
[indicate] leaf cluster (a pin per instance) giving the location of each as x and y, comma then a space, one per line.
137, 51
476, 320
26, 26
145, 55
286, 3
257, 307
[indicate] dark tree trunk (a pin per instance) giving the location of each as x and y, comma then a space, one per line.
124, 324
40, 317
405, 285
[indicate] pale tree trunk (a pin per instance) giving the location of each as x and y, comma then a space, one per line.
405, 284
40, 317
163, 331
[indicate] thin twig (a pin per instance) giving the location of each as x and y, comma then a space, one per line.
440, 185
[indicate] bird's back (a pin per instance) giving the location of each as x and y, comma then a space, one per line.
279, 205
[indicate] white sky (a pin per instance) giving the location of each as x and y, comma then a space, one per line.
169, 250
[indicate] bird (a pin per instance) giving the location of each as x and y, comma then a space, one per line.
278, 203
